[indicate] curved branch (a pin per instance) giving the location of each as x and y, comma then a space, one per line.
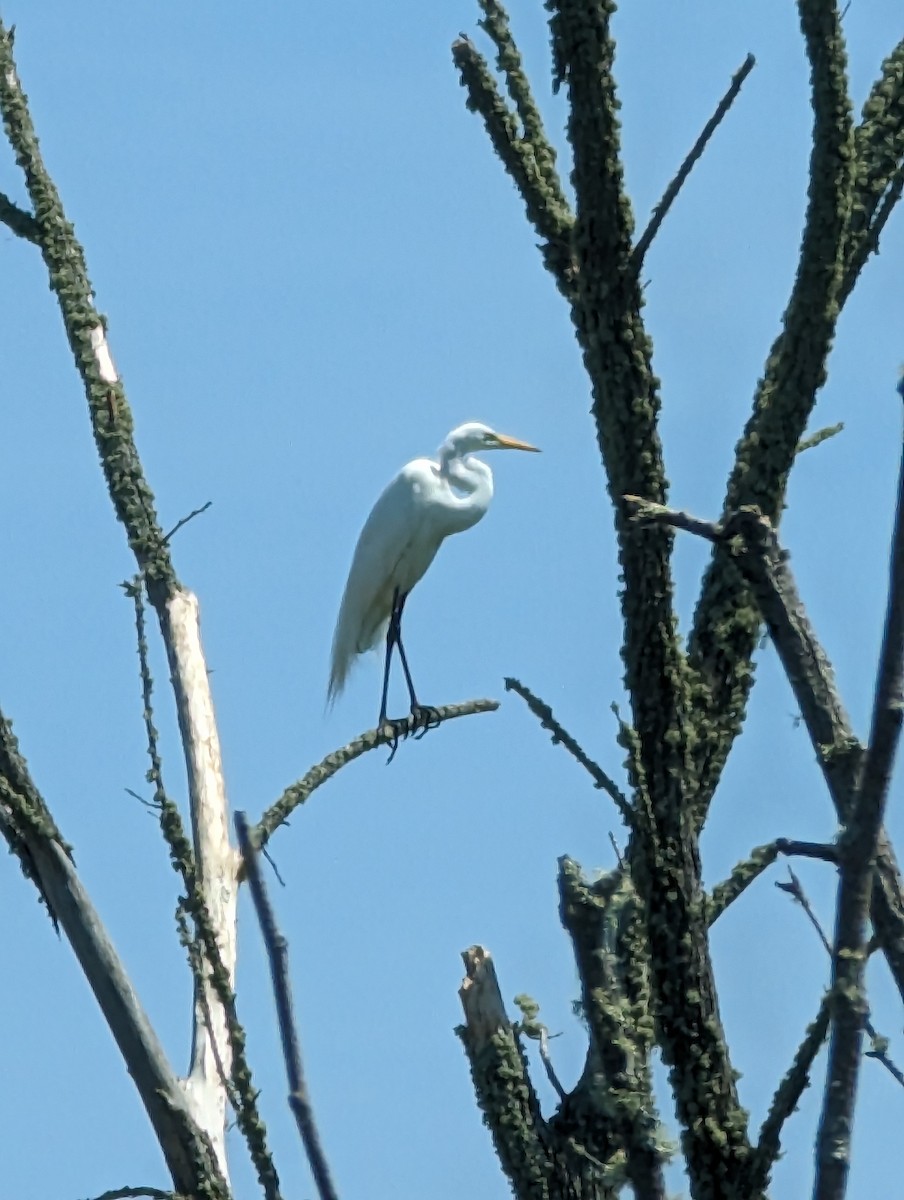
277, 814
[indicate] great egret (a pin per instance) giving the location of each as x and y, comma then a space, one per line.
425, 502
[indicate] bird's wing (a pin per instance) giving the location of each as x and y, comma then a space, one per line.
394, 550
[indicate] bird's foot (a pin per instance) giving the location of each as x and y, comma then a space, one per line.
394, 730
424, 719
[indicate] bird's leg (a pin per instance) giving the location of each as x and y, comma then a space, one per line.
391, 634
424, 716
397, 728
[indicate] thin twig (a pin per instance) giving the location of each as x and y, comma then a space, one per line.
795, 890
879, 1049
601, 780
152, 804
279, 812
546, 1059
671, 192
185, 520
820, 436
618, 853
278, 955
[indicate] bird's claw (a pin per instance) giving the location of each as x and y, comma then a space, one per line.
393, 730
424, 718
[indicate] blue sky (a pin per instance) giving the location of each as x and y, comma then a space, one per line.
313, 268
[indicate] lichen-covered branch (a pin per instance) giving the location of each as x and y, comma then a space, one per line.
786, 1099
751, 868
20, 222
111, 419
524, 152
495, 23
176, 609
612, 1110
221, 985
504, 1091
297, 793
878, 161
663, 856
755, 547
547, 720
727, 619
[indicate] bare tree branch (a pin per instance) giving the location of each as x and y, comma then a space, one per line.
859, 845
218, 1047
794, 888
279, 812
278, 956
187, 1149
660, 212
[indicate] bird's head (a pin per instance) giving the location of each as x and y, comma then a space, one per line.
474, 436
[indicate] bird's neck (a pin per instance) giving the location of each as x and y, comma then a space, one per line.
471, 482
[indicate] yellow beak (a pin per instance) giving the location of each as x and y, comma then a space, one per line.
510, 443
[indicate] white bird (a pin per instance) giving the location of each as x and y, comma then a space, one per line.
427, 501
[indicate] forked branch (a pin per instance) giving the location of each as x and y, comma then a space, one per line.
754, 546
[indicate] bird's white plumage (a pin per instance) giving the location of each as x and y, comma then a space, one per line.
426, 502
